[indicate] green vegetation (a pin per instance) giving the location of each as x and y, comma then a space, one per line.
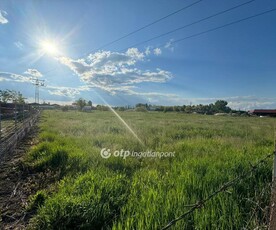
11, 96
82, 102
219, 106
146, 193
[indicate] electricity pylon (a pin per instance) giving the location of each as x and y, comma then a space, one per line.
37, 84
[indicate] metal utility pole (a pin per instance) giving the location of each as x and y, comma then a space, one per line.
37, 84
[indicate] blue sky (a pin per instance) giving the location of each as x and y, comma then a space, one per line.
59, 41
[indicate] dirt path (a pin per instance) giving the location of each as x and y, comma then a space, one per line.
16, 184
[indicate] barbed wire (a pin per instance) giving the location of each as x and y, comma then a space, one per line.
200, 204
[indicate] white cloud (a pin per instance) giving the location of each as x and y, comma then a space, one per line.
157, 51
159, 98
3, 20
236, 102
19, 45
68, 92
112, 71
134, 53
148, 52
69, 101
169, 45
251, 102
6, 76
33, 73
53, 90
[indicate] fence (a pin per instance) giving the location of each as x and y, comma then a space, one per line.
16, 121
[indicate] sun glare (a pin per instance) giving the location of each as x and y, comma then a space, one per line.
49, 47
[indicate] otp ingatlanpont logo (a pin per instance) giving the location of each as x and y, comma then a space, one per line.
105, 153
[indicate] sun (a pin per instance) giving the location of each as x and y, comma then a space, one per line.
49, 47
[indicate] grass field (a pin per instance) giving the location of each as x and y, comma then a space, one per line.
146, 193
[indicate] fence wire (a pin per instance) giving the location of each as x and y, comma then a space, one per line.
16, 121
200, 204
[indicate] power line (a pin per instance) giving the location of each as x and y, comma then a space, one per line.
217, 28
193, 23
148, 25
225, 25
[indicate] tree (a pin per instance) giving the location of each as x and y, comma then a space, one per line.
81, 103
168, 109
176, 108
20, 98
5, 96
142, 105
188, 109
89, 103
12, 96
65, 108
221, 106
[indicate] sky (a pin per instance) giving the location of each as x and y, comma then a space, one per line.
64, 42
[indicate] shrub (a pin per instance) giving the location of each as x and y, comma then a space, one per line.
141, 109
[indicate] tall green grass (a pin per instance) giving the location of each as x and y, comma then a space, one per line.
146, 193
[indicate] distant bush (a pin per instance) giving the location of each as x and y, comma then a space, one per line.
121, 109
141, 109
65, 108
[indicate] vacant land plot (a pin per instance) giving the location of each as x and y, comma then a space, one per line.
146, 193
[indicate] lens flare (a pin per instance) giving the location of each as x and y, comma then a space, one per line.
49, 47
122, 120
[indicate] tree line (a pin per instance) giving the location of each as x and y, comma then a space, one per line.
220, 106
11, 96
82, 102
